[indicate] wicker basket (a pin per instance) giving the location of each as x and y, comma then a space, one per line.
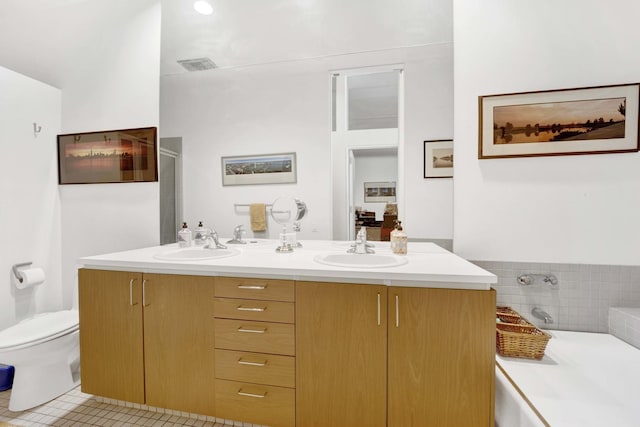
520, 339
508, 315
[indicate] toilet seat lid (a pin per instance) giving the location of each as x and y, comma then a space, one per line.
39, 327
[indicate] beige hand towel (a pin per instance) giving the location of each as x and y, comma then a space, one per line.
257, 212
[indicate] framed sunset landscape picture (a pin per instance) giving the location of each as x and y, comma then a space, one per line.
593, 120
124, 155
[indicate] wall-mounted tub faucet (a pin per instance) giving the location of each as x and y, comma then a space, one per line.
528, 279
539, 313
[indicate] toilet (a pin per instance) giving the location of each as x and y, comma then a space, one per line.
45, 352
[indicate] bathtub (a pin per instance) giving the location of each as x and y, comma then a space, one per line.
585, 379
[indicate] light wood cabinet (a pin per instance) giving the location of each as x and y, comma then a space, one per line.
111, 352
256, 403
341, 355
255, 350
148, 339
256, 368
429, 363
251, 288
178, 342
285, 353
441, 357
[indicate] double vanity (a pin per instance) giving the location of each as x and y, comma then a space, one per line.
317, 337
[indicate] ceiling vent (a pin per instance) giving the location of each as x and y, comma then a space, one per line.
197, 64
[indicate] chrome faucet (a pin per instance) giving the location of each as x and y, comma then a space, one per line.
360, 246
211, 240
539, 313
237, 236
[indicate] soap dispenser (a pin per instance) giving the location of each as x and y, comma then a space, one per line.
184, 236
398, 239
200, 235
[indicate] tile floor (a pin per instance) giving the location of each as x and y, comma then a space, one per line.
79, 409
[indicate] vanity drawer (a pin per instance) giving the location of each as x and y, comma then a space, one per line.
259, 310
258, 404
259, 337
263, 289
259, 368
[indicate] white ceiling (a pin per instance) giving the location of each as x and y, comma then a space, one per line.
247, 32
44, 39
38, 38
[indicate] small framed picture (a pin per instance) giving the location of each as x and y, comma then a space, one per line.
259, 169
114, 156
438, 158
375, 192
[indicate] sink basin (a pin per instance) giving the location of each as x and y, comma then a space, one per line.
195, 254
360, 260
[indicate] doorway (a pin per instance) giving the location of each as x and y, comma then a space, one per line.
372, 184
366, 144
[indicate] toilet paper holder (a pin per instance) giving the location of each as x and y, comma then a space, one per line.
15, 268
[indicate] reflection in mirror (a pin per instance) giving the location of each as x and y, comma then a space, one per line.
372, 100
170, 178
375, 173
270, 90
364, 140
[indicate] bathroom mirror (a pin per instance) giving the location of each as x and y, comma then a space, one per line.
366, 124
277, 91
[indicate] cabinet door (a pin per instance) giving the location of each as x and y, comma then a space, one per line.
111, 354
441, 357
341, 362
178, 342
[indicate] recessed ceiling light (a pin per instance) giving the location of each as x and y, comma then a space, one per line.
203, 7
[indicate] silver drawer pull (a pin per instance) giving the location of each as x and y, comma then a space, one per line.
144, 293
241, 308
254, 287
252, 331
245, 362
258, 396
131, 292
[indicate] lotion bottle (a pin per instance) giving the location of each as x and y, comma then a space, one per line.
199, 235
184, 236
398, 240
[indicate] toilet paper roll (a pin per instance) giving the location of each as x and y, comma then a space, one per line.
30, 277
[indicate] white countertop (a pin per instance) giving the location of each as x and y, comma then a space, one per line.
585, 379
428, 265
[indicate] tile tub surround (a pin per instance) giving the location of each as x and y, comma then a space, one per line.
624, 323
582, 298
80, 409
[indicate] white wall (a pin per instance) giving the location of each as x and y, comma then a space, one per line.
567, 209
286, 107
30, 211
115, 87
